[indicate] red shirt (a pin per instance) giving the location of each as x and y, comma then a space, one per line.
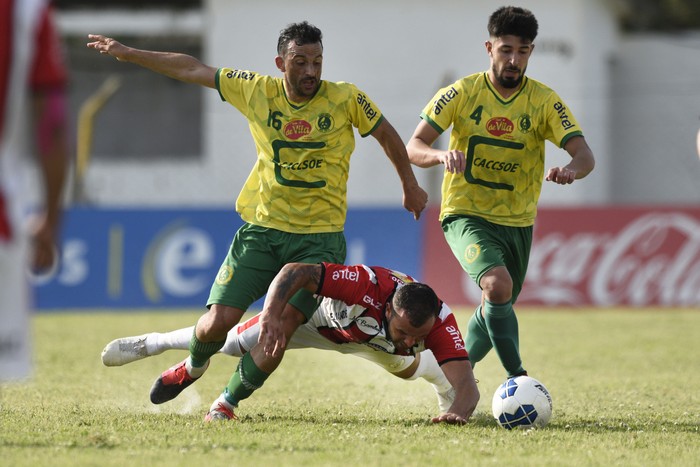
46, 69
353, 310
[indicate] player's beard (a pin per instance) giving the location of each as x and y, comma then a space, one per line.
303, 90
509, 83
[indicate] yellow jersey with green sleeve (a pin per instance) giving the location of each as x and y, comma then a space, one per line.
503, 141
299, 181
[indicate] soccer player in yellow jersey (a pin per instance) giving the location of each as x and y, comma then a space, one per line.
294, 201
494, 169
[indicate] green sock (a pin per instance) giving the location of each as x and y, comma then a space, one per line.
201, 351
502, 325
245, 381
477, 342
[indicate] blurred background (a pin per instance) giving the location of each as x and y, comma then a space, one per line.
159, 163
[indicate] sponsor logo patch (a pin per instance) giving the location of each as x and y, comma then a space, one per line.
297, 129
366, 107
563, 116
456, 337
368, 325
499, 126
444, 99
240, 74
346, 275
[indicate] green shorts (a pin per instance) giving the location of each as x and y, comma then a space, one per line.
256, 256
480, 245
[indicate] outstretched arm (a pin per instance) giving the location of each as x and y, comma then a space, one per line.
414, 197
291, 278
422, 154
459, 374
174, 65
582, 163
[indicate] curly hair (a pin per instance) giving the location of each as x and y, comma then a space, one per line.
301, 33
513, 21
418, 301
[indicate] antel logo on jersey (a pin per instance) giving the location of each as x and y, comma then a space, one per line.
240, 74
499, 126
347, 275
456, 337
444, 99
563, 116
297, 129
366, 107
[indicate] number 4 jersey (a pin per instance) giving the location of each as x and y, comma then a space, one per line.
299, 181
503, 141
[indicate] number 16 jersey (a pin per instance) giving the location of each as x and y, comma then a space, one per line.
299, 181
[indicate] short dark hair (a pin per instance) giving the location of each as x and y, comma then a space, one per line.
418, 301
301, 33
513, 21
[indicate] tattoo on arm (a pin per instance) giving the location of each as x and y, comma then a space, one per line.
292, 279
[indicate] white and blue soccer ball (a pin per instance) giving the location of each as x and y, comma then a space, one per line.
522, 402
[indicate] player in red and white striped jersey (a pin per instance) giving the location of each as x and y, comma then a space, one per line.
32, 122
372, 312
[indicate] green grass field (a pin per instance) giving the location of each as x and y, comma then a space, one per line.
625, 386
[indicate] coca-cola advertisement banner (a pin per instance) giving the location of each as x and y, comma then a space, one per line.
603, 256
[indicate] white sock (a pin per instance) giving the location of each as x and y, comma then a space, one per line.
195, 371
158, 342
429, 370
222, 400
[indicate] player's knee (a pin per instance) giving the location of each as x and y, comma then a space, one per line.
497, 285
215, 323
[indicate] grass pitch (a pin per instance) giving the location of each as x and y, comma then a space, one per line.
624, 385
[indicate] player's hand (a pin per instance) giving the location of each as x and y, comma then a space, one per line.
107, 46
561, 175
272, 335
414, 200
44, 251
454, 161
450, 418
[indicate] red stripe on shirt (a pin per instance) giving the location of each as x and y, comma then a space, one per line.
48, 70
6, 17
5, 228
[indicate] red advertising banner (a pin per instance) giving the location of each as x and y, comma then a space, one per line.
607, 256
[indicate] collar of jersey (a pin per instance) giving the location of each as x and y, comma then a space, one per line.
299, 106
498, 96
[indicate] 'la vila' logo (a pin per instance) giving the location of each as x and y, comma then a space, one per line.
499, 126
297, 129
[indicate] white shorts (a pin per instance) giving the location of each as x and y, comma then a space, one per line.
15, 345
307, 337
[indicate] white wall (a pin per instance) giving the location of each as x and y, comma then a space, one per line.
399, 52
655, 107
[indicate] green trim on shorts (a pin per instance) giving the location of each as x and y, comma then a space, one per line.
256, 256
480, 245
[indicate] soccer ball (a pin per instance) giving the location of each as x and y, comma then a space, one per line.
522, 402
